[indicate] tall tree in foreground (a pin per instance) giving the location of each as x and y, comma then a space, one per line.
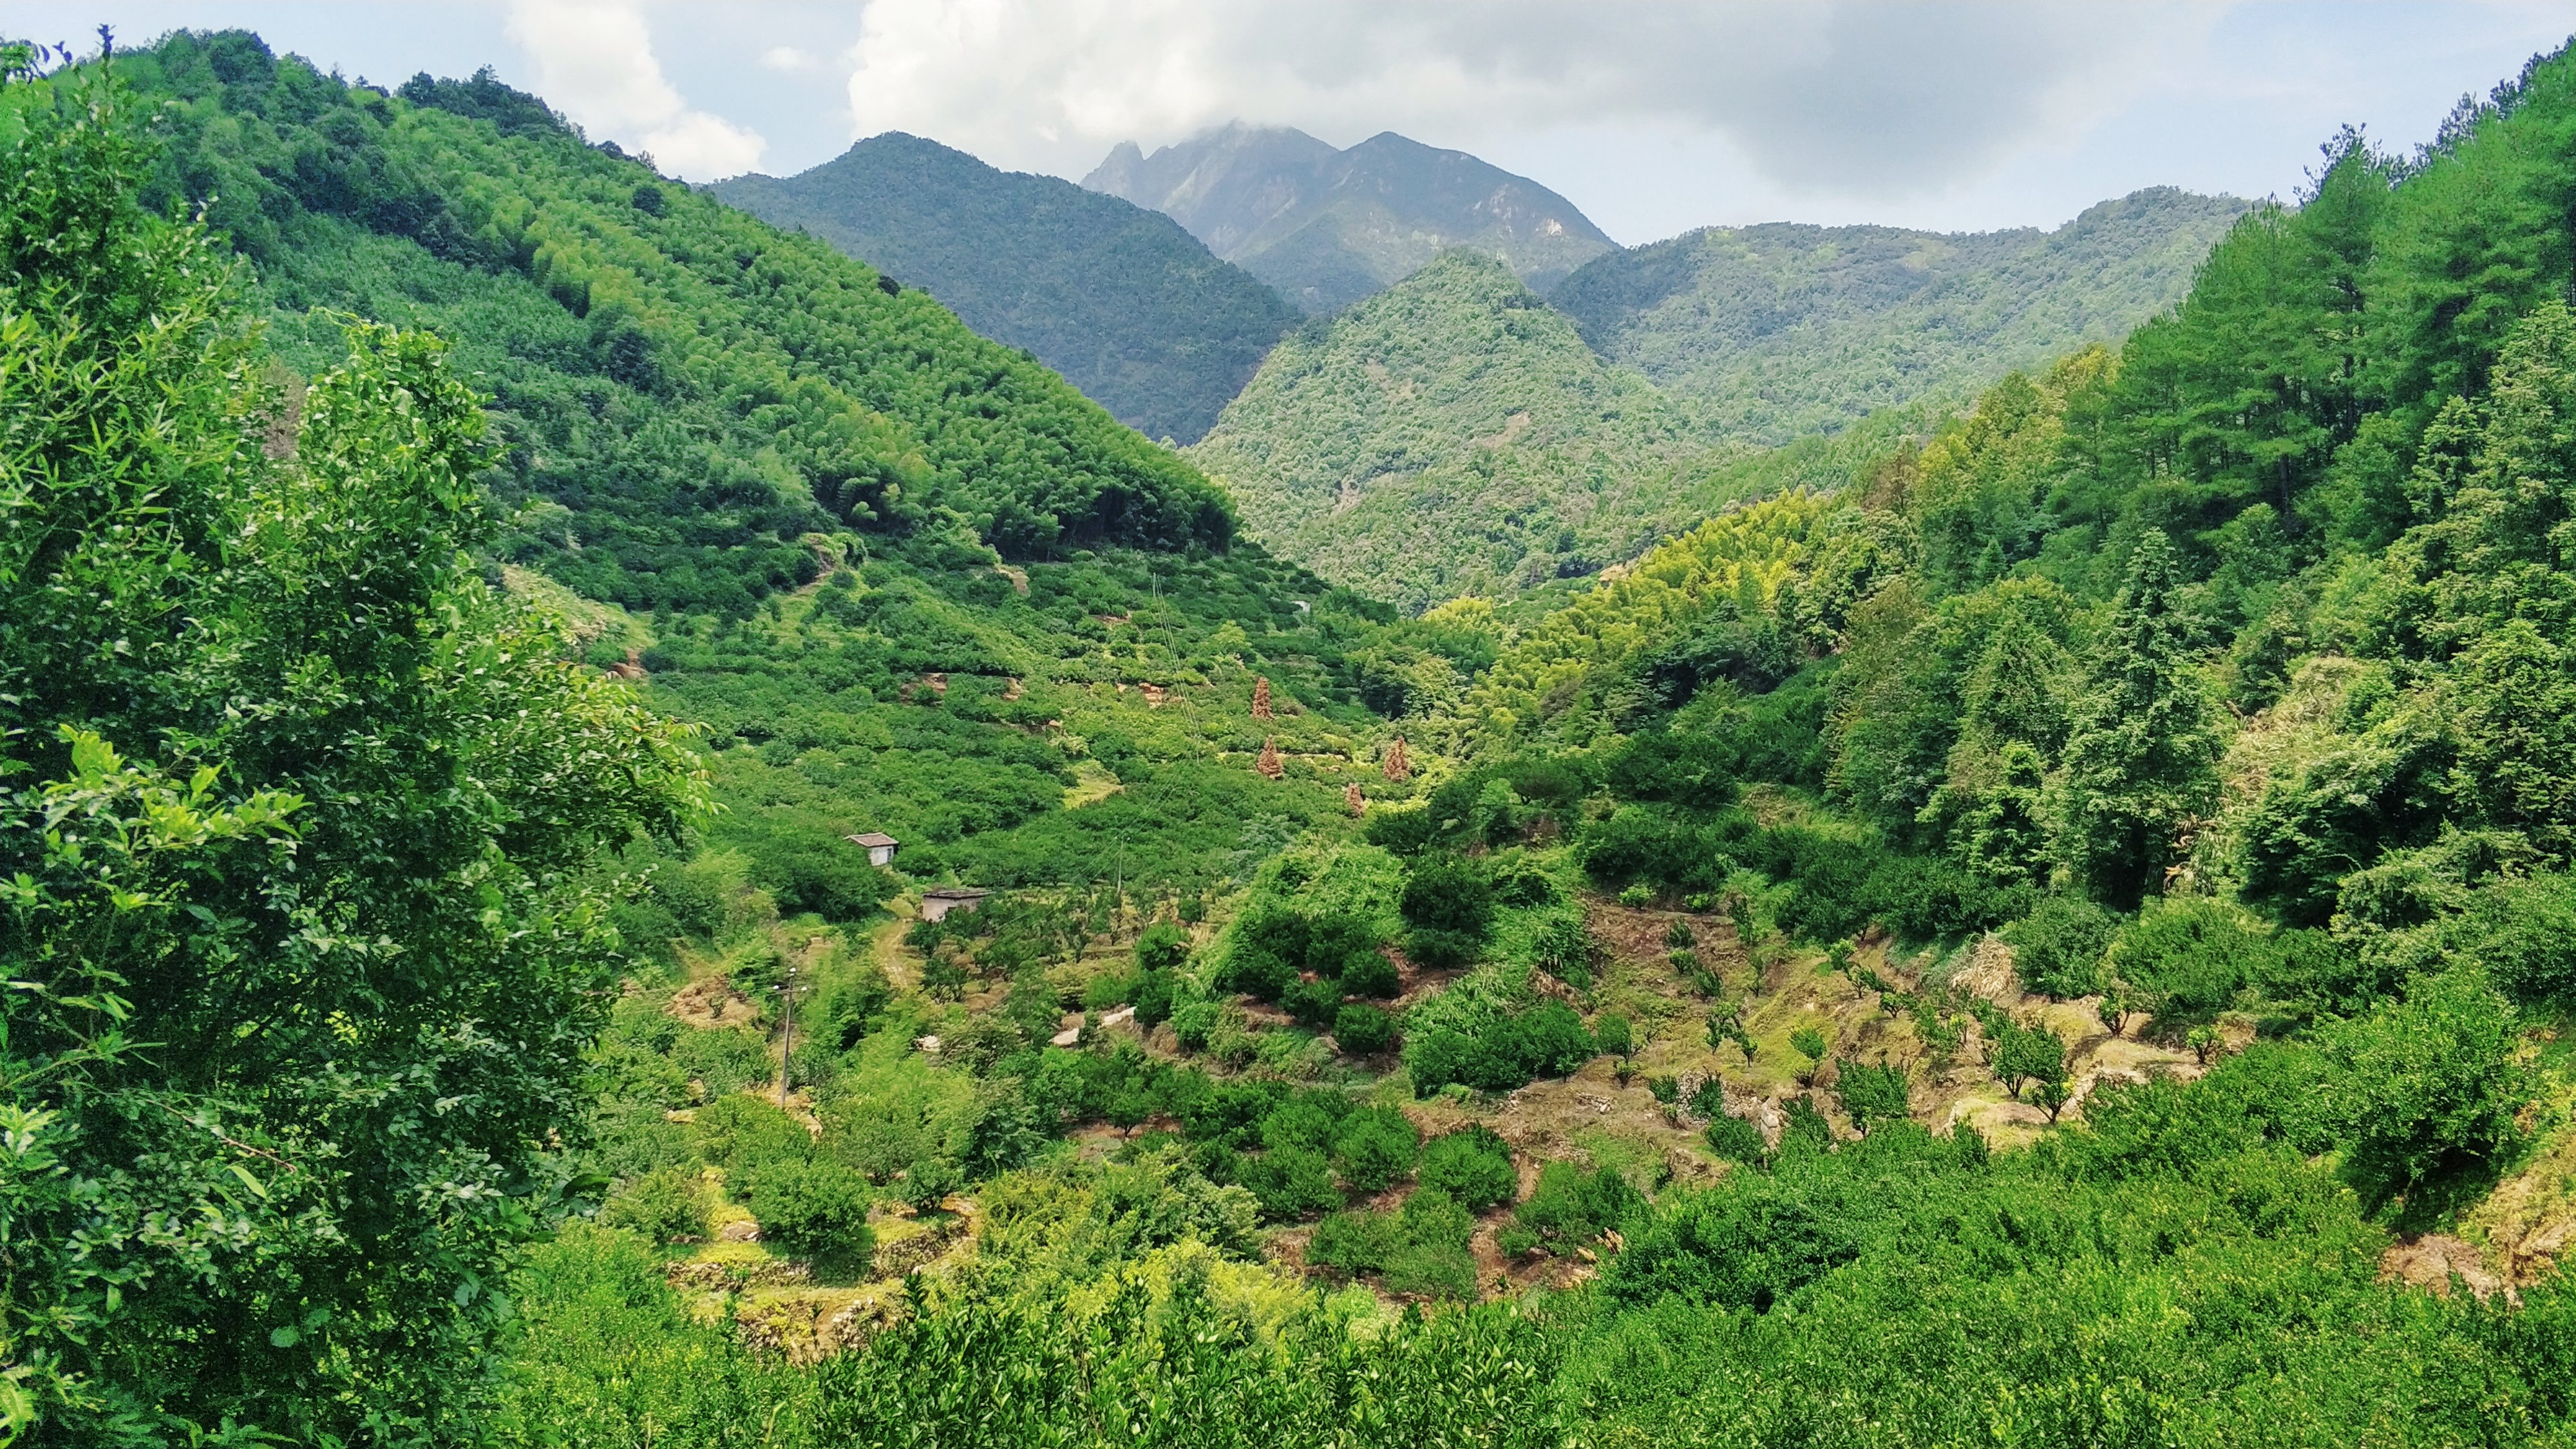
2141, 757
301, 904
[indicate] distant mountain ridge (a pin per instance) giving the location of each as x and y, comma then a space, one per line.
1772, 332
1121, 300
1329, 227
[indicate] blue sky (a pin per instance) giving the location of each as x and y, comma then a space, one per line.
1652, 116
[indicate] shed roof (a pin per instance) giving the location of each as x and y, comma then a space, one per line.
956, 893
872, 838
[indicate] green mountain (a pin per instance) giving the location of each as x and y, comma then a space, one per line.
1773, 332
1329, 227
1453, 435
2101, 873
1119, 299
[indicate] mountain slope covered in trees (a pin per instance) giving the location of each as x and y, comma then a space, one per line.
1453, 435
1770, 333
1329, 227
2057, 937
1119, 299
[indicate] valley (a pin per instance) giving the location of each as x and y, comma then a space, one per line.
1791, 835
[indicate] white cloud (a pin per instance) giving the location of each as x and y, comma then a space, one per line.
1856, 96
595, 63
789, 59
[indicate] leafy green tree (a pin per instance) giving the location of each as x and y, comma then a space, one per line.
2024, 1054
2004, 837
1871, 1094
2141, 754
2427, 1089
306, 827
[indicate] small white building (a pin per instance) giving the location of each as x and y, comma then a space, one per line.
938, 901
879, 846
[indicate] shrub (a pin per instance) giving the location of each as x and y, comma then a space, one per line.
742, 1134
2428, 1088
1375, 1148
1554, 1040
1471, 1165
1449, 907
1570, 1206
1363, 1030
2524, 932
1370, 974
2190, 956
1354, 1242
1313, 1003
1737, 1140
1290, 1183
1746, 1245
2026, 1054
1613, 1034
1871, 1093
1163, 947
814, 1208
2057, 948
666, 1205
724, 1060
1806, 1128
1152, 998
1194, 1024
1431, 1258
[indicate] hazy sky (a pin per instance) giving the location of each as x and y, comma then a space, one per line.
1654, 116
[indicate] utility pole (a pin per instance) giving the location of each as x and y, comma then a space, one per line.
787, 1048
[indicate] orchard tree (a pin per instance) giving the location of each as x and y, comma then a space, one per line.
304, 834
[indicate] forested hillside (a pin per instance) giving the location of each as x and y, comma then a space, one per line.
1329, 227
1119, 299
681, 392
1770, 333
2047, 924
1453, 435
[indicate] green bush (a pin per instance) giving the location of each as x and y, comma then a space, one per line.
2190, 956
1363, 1030
1611, 1032
666, 1205
1570, 1206
812, 1207
1162, 947
2057, 948
2427, 1090
1737, 1140
1354, 1242
1449, 906
1471, 1165
1871, 1093
1290, 1183
1194, 1024
1746, 1245
1375, 1148
1370, 974
1555, 1042
1431, 1258
743, 1133
724, 1059
1313, 1003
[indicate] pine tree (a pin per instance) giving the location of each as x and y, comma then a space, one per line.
1351, 797
2004, 837
1268, 764
1397, 766
2141, 758
1261, 697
